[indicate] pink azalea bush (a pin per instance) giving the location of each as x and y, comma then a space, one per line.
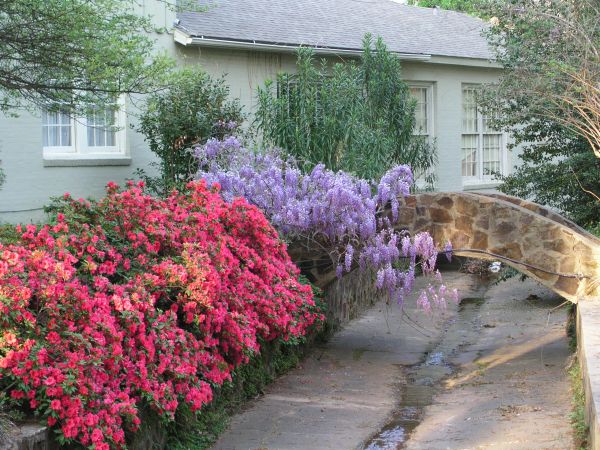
137, 301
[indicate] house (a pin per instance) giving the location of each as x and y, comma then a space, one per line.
444, 58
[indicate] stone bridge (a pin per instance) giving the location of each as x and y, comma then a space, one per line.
531, 238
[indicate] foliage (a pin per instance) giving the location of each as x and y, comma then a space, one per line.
551, 60
75, 52
557, 169
193, 109
548, 98
353, 117
577, 416
8, 234
135, 302
475, 266
467, 6
342, 215
507, 273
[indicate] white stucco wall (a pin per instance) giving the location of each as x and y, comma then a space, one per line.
29, 184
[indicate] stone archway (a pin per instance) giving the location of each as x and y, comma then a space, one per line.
522, 234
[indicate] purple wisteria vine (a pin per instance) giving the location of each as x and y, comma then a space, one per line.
343, 214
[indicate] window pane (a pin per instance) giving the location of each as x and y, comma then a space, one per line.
491, 153
100, 134
487, 126
91, 132
469, 155
469, 119
110, 121
421, 123
100, 127
65, 136
56, 128
110, 138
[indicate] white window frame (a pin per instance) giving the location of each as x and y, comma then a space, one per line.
81, 153
61, 149
479, 177
428, 86
430, 132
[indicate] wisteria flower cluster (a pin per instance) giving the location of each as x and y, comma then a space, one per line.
344, 213
135, 302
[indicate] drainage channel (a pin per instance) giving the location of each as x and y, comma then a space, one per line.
424, 380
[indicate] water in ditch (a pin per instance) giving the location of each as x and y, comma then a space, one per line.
423, 380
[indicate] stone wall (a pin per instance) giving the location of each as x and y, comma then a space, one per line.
28, 436
527, 236
347, 297
523, 235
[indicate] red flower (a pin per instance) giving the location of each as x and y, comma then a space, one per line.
136, 297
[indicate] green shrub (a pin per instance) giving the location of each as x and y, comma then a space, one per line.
193, 109
8, 234
356, 117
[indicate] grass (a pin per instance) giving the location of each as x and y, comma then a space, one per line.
577, 416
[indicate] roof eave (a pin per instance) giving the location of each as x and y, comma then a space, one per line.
464, 61
183, 38
186, 39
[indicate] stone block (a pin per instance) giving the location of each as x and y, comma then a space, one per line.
458, 239
503, 229
504, 212
466, 206
439, 215
480, 240
446, 202
407, 216
567, 285
557, 245
410, 201
509, 250
464, 224
567, 264
483, 222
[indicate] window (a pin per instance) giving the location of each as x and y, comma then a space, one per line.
483, 149
101, 129
57, 129
289, 90
422, 93
97, 138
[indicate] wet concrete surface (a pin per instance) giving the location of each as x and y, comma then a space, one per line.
488, 373
509, 388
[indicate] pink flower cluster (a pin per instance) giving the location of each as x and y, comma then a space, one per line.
134, 301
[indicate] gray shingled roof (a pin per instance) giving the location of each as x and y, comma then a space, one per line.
340, 24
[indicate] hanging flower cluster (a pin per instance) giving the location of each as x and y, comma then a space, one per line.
345, 214
135, 301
